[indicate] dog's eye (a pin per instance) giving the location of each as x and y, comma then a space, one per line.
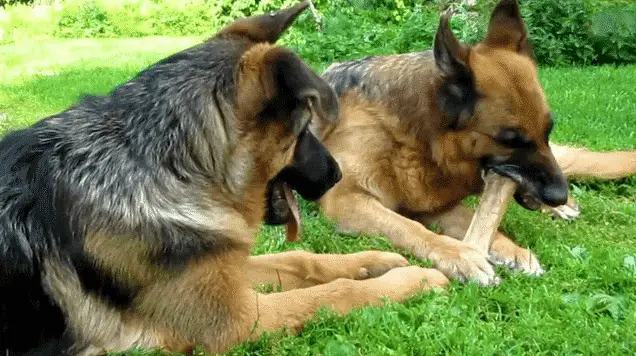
513, 137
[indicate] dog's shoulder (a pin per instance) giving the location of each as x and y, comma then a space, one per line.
351, 74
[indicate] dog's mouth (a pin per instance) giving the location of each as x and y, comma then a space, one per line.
283, 208
527, 200
539, 182
527, 194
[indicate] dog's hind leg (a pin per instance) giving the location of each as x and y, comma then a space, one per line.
455, 223
584, 163
300, 269
361, 213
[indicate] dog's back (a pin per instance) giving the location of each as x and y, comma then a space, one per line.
398, 84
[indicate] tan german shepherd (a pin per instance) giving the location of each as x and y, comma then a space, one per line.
418, 130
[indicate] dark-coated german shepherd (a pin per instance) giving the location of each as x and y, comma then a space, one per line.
418, 130
127, 220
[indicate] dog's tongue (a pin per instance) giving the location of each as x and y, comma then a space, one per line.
293, 223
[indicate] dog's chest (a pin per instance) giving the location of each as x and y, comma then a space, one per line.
424, 186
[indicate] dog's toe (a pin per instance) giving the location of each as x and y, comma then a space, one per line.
465, 263
377, 263
518, 259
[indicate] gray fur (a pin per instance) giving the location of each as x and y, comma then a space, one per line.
371, 77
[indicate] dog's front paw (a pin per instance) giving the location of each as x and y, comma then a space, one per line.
459, 260
401, 283
372, 264
507, 253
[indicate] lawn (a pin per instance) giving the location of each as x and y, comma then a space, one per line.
584, 304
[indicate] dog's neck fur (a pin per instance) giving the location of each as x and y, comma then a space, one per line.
406, 87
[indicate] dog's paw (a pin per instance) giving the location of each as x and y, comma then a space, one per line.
505, 252
403, 282
457, 259
372, 264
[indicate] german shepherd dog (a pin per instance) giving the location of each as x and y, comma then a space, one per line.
417, 131
127, 220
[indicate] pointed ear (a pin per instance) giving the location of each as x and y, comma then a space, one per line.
294, 79
266, 27
457, 96
507, 29
451, 55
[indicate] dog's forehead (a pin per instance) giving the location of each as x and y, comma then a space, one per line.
500, 67
512, 77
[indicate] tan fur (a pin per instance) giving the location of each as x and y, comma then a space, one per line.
578, 162
213, 304
301, 269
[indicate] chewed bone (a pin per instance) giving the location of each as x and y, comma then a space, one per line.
498, 191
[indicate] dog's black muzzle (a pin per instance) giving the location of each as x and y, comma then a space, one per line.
311, 174
539, 182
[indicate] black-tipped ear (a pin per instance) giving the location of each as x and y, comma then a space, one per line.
294, 78
507, 29
457, 96
267, 27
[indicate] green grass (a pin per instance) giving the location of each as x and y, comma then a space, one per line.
584, 304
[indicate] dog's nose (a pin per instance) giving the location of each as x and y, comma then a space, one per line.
555, 194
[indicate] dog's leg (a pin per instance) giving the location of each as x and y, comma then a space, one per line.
292, 309
95, 326
583, 163
212, 303
360, 213
300, 269
455, 223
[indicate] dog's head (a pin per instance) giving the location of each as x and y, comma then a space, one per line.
277, 97
492, 91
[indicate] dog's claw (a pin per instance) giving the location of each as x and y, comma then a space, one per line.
461, 261
506, 253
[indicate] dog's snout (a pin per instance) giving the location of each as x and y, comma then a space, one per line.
555, 194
